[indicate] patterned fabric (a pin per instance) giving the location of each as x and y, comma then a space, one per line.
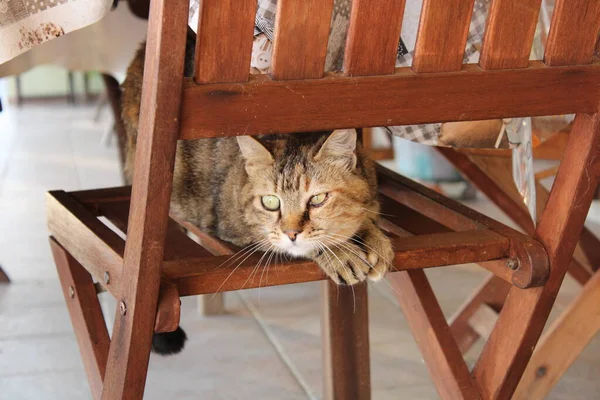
28, 23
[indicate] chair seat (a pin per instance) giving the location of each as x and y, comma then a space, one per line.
427, 230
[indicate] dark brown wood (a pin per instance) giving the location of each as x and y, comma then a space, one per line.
224, 40
573, 32
3, 277
442, 35
89, 241
369, 54
509, 33
301, 33
492, 293
86, 316
169, 308
159, 123
433, 336
266, 106
345, 326
525, 312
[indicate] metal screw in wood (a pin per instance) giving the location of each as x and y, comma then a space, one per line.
123, 308
512, 263
106, 277
71, 292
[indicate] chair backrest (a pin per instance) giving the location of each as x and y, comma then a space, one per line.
223, 99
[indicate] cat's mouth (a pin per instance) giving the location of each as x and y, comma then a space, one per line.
296, 248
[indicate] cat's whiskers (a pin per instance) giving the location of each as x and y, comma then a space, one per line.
245, 250
266, 267
256, 267
376, 212
256, 248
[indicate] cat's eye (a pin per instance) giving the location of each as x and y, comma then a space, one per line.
270, 202
318, 200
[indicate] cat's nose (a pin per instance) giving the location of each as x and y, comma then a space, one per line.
292, 234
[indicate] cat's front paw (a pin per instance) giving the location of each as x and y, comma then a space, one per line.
380, 253
345, 264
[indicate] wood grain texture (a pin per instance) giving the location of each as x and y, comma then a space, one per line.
266, 106
301, 34
88, 240
86, 316
345, 327
442, 35
369, 51
565, 340
169, 308
224, 40
525, 312
492, 292
573, 32
433, 336
509, 33
151, 192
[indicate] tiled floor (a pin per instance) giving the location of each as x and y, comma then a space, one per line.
267, 346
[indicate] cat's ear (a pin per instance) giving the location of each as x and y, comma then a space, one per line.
254, 152
340, 146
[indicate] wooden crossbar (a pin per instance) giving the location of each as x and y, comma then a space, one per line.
265, 106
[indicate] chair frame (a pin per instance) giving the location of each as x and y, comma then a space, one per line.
147, 272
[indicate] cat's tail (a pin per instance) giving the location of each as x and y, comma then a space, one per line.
169, 342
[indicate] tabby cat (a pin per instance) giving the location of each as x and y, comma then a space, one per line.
307, 195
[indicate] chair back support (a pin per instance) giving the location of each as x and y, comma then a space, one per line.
298, 96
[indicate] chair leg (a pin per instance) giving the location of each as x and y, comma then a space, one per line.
129, 353
525, 312
562, 344
86, 315
345, 327
432, 334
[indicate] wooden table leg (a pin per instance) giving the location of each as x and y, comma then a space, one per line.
345, 326
525, 312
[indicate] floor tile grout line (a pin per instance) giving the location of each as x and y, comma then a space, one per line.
278, 347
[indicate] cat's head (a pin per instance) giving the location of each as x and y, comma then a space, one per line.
306, 192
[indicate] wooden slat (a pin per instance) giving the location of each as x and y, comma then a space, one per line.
3, 277
88, 240
509, 33
265, 106
442, 35
178, 245
573, 32
562, 344
221, 273
368, 53
86, 316
129, 353
525, 312
345, 326
224, 40
432, 334
301, 33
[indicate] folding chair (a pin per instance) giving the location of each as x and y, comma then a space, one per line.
157, 264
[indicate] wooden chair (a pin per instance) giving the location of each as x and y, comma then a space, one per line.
157, 263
